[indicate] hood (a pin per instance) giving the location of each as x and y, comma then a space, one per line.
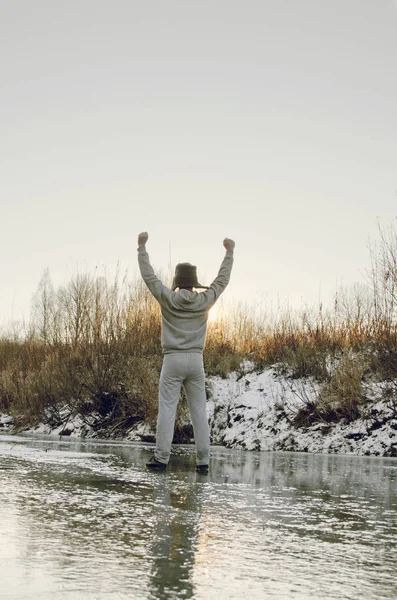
185, 299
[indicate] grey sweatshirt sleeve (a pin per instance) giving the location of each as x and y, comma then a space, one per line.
154, 284
222, 279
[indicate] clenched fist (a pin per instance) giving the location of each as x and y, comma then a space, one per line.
143, 238
229, 244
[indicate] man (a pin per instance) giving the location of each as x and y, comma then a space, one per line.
184, 328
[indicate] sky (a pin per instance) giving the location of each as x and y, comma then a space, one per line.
272, 122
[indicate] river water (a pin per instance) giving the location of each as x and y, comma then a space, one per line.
85, 520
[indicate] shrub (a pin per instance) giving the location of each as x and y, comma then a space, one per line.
341, 397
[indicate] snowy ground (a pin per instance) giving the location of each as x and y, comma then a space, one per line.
5, 422
254, 412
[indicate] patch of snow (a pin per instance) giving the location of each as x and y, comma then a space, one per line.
6, 421
255, 412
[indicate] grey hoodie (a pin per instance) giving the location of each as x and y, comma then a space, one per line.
184, 313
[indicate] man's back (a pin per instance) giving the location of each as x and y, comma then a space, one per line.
185, 317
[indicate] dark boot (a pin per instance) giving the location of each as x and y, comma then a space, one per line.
202, 469
155, 464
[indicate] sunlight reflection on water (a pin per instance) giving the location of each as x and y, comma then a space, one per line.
86, 520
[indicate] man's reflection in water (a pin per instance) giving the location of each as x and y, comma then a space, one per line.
177, 509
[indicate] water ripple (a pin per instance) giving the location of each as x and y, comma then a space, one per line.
86, 520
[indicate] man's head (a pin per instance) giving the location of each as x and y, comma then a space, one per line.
186, 277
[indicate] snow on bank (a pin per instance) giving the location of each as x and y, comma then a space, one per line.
77, 427
254, 411
5, 421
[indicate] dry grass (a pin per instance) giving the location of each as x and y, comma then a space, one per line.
94, 348
341, 397
90, 347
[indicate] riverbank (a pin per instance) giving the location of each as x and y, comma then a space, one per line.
257, 411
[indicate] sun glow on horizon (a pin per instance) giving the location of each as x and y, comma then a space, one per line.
219, 311
213, 314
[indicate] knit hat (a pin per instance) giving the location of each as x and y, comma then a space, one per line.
186, 277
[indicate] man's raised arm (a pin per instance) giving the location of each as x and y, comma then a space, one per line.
154, 284
222, 279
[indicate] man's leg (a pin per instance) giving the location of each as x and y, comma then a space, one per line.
194, 386
169, 390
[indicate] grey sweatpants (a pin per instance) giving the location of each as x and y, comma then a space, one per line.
182, 368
